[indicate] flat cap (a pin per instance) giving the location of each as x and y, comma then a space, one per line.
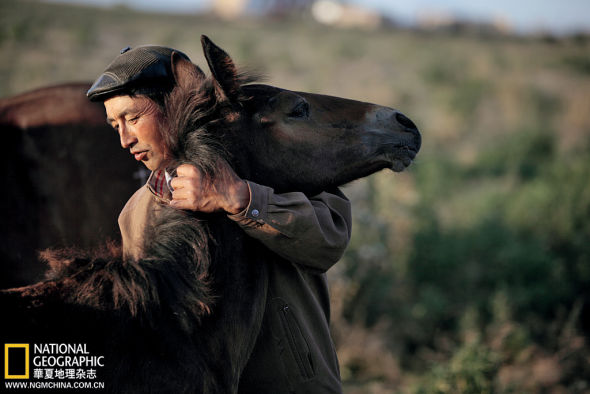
145, 67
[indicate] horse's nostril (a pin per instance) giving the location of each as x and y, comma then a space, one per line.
405, 121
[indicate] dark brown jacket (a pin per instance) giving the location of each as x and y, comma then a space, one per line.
294, 352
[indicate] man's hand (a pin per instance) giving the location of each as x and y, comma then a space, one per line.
194, 191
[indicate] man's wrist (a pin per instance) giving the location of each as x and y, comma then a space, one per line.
240, 198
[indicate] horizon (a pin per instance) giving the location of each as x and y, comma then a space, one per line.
527, 16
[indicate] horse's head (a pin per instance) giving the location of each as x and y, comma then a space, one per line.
293, 140
311, 139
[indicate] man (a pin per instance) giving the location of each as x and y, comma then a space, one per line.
294, 352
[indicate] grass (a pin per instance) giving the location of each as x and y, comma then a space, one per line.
491, 217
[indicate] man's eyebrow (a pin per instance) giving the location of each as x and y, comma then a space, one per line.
121, 115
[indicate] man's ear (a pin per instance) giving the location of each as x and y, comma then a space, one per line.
222, 67
185, 73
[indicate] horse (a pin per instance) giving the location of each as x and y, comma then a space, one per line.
54, 138
185, 317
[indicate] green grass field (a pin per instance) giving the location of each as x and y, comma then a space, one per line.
469, 273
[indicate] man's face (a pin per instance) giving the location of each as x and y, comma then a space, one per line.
137, 120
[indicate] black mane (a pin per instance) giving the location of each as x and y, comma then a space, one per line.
199, 118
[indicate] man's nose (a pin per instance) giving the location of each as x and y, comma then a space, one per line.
127, 138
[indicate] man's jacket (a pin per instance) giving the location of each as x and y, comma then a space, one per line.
294, 352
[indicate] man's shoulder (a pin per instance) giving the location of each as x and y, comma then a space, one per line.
133, 220
138, 207
140, 196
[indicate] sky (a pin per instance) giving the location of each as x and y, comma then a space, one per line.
561, 16
524, 15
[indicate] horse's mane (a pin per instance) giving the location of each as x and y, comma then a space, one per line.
198, 115
174, 274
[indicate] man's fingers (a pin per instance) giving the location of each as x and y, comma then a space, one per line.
181, 194
188, 170
178, 183
184, 199
187, 176
181, 204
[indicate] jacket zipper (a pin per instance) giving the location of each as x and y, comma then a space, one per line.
291, 325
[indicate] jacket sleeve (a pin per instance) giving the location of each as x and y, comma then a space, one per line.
312, 232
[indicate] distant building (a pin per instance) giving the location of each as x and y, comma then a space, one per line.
328, 12
233, 9
434, 19
229, 9
446, 21
335, 13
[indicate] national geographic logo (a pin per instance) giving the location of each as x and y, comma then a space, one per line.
16, 361
55, 366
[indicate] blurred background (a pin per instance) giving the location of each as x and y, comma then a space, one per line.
468, 273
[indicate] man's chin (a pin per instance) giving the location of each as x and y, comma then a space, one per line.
164, 164
149, 165
156, 163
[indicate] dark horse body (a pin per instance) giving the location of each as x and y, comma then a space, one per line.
186, 316
64, 177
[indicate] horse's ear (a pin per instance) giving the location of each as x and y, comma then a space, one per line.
184, 71
222, 67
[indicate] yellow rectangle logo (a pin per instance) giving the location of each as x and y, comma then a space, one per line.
16, 361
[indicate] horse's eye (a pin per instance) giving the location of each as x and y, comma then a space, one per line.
301, 110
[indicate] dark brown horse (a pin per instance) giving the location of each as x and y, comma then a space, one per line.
185, 317
64, 177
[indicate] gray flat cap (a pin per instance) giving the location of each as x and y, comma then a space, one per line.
146, 67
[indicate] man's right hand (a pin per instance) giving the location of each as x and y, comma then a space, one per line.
194, 191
